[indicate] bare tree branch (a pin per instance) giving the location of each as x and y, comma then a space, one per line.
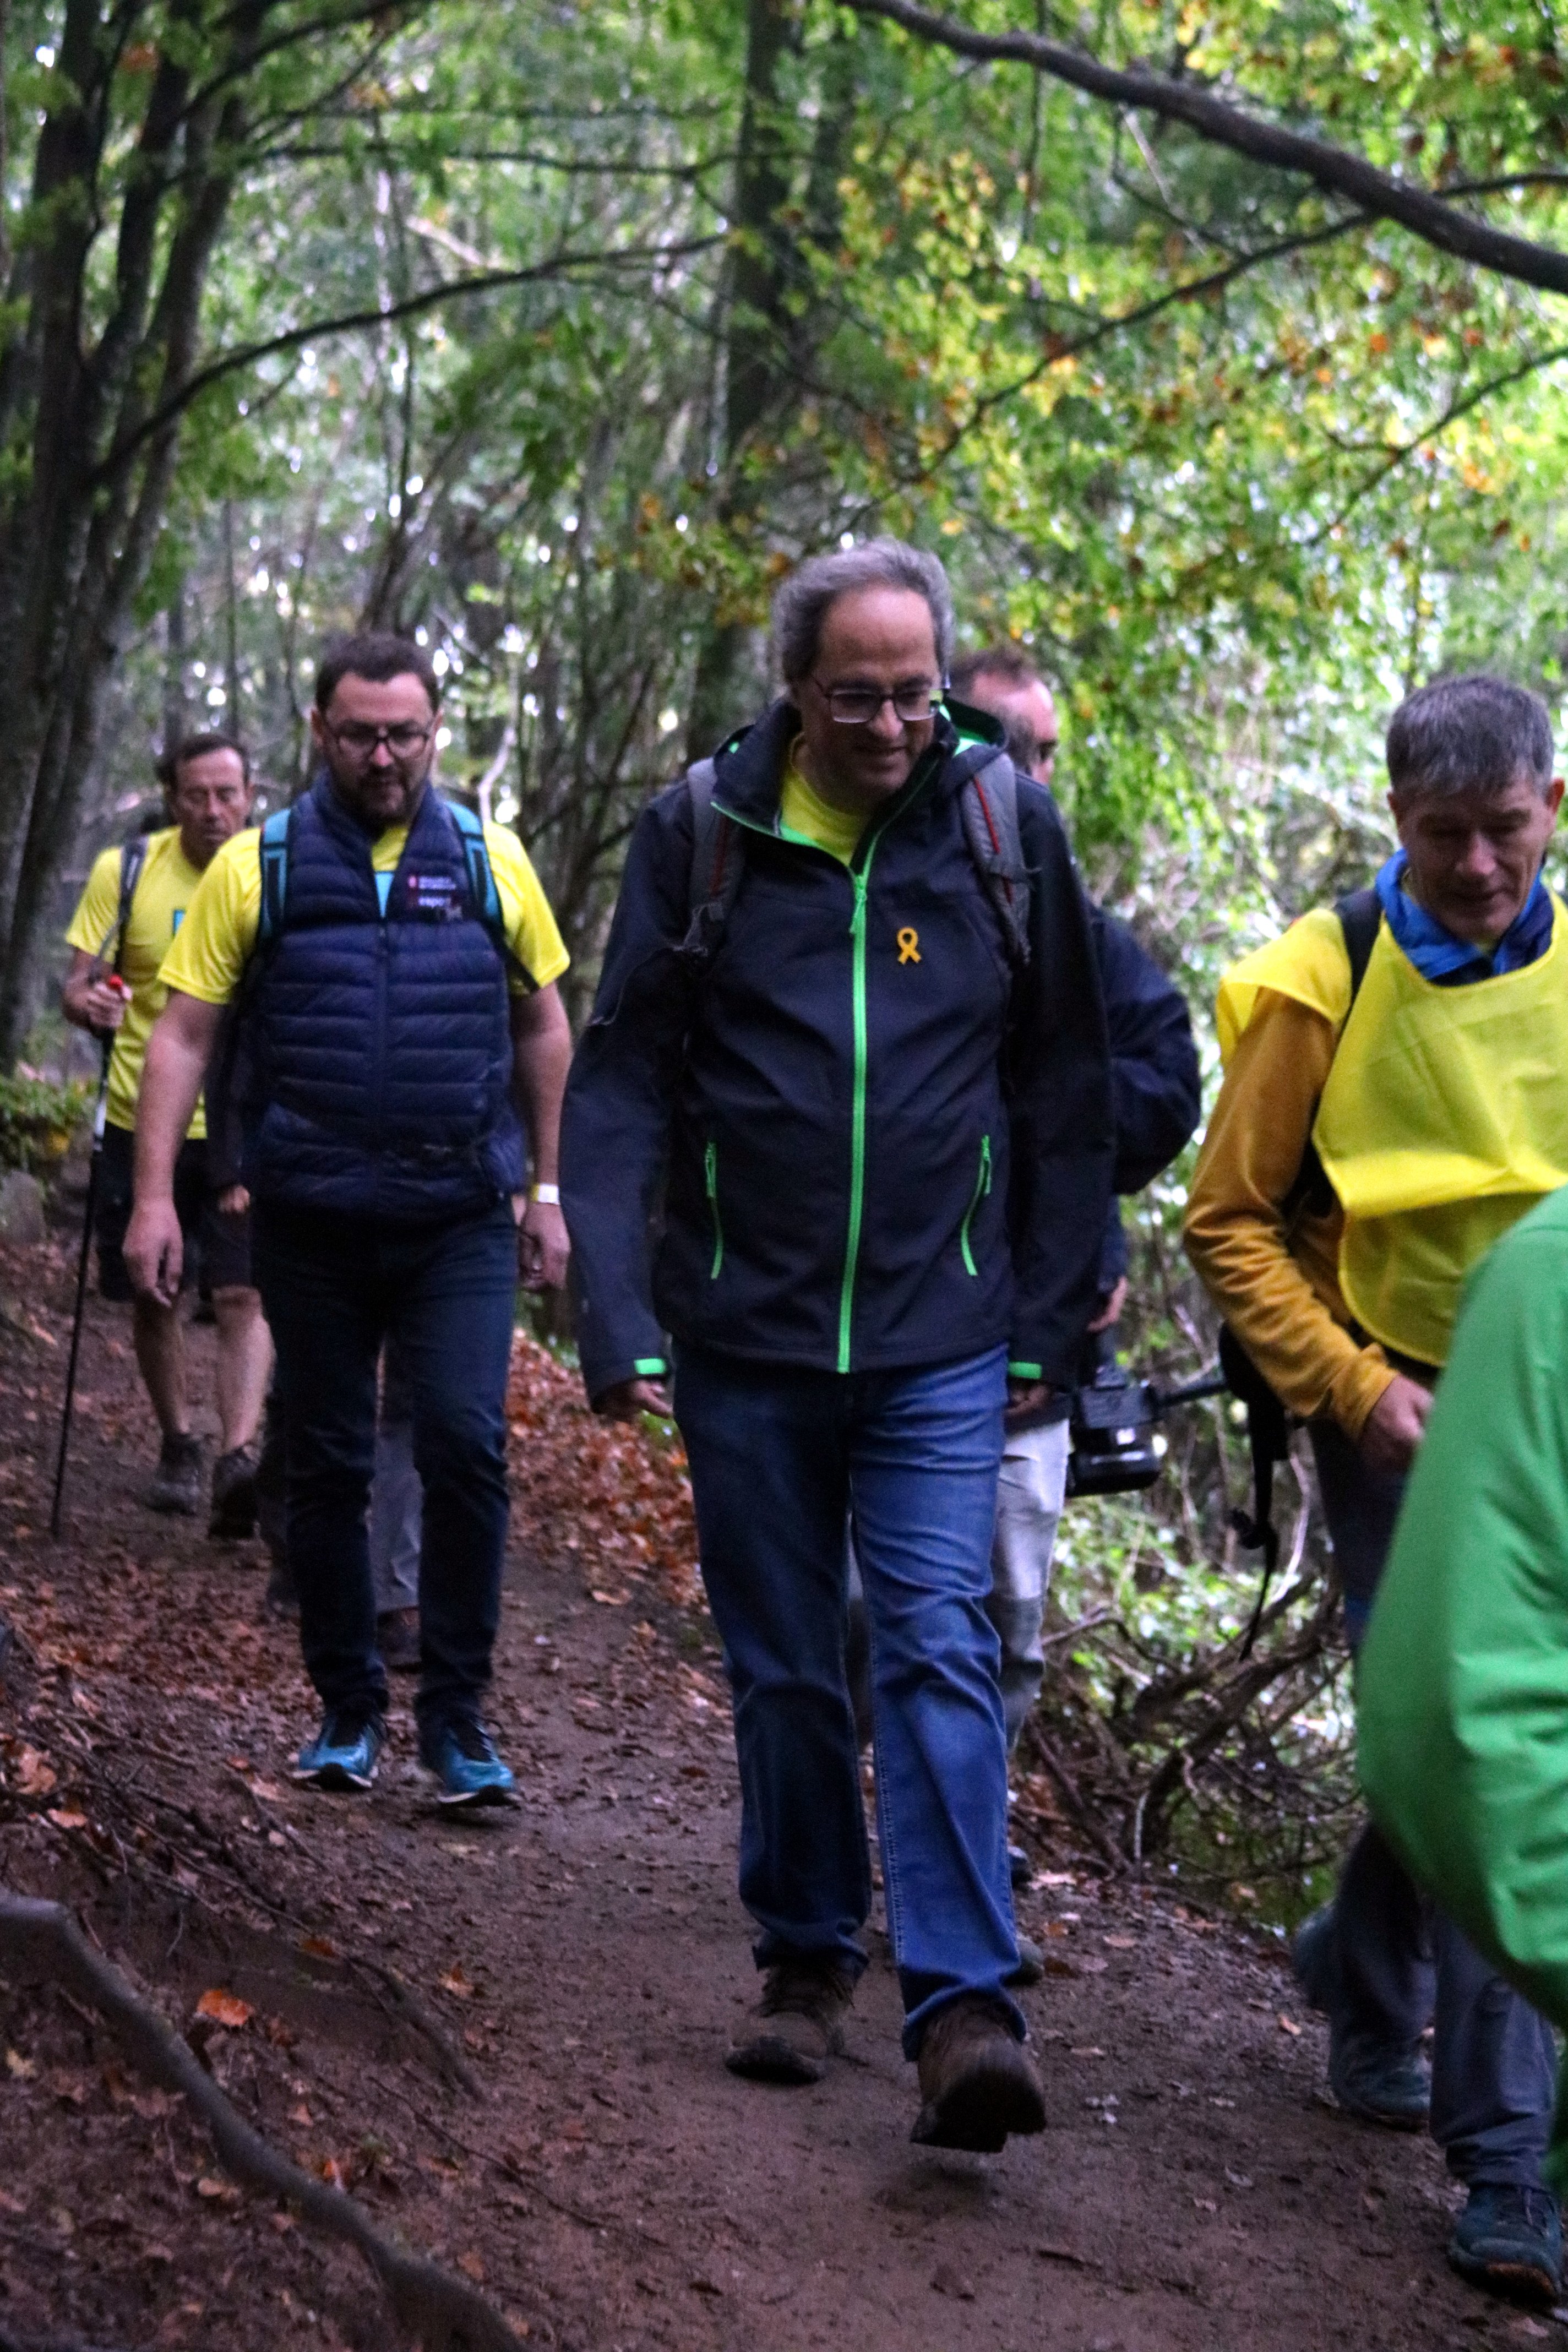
1379, 194
561, 264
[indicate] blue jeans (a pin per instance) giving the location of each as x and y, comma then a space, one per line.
780, 1457
333, 1288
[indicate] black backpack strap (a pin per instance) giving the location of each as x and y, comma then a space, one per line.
717, 862
1360, 919
133, 858
989, 804
1267, 1424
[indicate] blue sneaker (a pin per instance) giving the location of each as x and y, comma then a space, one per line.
343, 1753
463, 1758
1511, 2239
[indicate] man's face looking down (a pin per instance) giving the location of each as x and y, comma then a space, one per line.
873, 642
1029, 708
378, 739
209, 800
1474, 855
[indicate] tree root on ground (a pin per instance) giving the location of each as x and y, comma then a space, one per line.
438, 2313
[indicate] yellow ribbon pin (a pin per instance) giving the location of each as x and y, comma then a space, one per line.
909, 946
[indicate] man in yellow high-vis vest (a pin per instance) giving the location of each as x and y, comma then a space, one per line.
1369, 1144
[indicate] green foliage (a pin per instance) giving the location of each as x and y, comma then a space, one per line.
38, 1118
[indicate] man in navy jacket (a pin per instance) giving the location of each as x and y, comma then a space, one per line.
853, 1156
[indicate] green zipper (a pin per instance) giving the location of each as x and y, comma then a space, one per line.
982, 1186
859, 875
710, 1171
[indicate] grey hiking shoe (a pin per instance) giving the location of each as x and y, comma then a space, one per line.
1511, 2239
233, 1514
1378, 2080
177, 1480
798, 2024
978, 2083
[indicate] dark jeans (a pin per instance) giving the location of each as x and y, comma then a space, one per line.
335, 1287
779, 1457
1398, 1964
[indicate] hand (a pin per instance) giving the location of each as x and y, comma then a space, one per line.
1396, 1425
155, 1250
1112, 1311
105, 1004
232, 1201
1025, 1398
542, 1247
627, 1398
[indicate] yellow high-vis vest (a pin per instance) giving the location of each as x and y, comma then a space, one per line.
1443, 1119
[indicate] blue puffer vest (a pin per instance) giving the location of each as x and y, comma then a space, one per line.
378, 1047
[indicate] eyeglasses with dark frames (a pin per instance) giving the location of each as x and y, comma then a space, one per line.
857, 706
360, 741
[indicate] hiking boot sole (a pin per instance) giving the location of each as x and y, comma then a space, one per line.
465, 1800
335, 1777
1520, 2282
980, 2111
770, 2058
173, 1504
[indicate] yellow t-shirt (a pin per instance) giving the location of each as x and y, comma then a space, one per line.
217, 935
165, 888
806, 815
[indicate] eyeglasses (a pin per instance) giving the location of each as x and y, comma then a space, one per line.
360, 741
857, 706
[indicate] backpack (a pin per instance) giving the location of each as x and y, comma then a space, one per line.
1268, 1423
990, 814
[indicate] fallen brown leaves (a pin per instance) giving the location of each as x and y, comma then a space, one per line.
609, 1495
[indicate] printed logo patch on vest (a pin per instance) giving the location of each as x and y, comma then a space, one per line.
437, 897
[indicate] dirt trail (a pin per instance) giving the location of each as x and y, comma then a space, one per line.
608, 2183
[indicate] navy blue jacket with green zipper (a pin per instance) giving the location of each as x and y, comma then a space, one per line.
856, 1138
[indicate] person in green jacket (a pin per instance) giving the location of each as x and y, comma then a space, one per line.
1462, 1682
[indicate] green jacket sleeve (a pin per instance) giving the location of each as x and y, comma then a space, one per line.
1462, 1690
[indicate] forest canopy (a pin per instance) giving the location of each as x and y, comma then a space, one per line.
557, 333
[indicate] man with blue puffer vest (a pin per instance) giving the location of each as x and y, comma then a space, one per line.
848, 1050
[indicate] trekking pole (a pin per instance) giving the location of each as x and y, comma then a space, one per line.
100, 1111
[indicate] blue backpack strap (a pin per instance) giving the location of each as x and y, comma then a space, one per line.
274, 855
481, 880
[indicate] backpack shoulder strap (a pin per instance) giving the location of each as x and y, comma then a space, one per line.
1360, 919
718, 860
481, 875
989, 804
133, 858
273, 851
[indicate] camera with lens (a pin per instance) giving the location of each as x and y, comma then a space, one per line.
1116, 1444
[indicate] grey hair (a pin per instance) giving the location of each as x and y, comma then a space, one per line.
801, 606
1469, 734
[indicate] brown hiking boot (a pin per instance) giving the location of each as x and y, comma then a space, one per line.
798, 2024
233, 1514
978, 2083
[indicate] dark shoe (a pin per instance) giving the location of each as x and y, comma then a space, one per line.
1020, 1869
233, 1517
177, 1480
397, 1639
281, 1598
1511, 2239
1031, 1967
463, 1758
798, 2024
978, 2083
1386, 2083
343, 1753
